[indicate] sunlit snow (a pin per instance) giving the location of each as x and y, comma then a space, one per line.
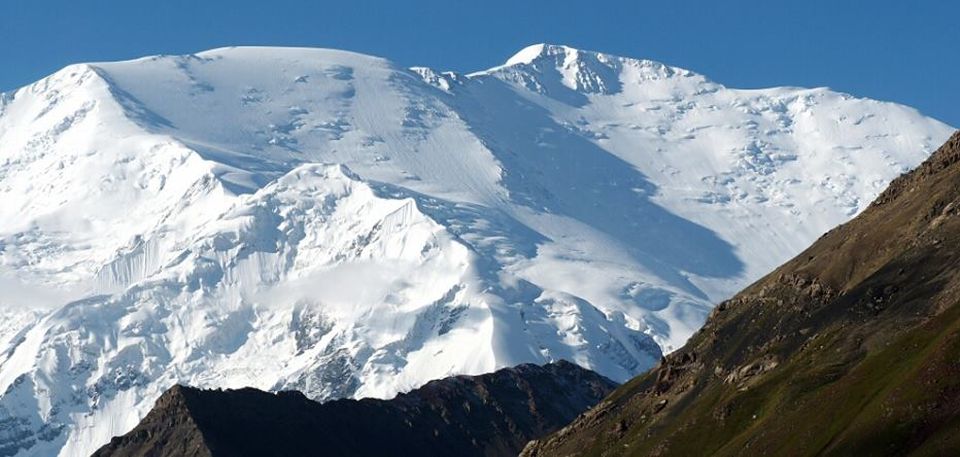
327, 221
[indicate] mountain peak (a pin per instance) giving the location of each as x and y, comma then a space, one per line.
533, 52
550, 69
584, 206
568, 57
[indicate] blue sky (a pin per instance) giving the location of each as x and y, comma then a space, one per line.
903, 51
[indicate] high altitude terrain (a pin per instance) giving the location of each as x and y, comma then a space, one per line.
851, 348
485, 416
330, 222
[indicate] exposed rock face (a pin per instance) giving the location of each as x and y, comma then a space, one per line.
487, 415
851, 348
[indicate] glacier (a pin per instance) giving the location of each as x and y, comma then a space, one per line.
321, 220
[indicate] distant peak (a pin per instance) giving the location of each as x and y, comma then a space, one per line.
564, 56
527, 54
533, 52
559, 66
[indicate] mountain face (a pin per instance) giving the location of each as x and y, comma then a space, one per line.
851, 348
484, 416
330, 222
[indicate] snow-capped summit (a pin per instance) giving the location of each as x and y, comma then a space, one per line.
289, 218
586, 72
529, 54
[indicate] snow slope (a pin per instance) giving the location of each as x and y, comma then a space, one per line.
327, 221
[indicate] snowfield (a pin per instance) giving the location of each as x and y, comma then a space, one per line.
330, 222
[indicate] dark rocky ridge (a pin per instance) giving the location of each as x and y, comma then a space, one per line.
851, 348
487, 415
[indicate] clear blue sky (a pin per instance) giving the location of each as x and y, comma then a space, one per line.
903, 51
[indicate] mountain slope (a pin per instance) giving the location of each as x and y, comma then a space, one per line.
488, 415
329, 222
851, 348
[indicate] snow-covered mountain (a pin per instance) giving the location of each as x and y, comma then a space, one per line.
330, 222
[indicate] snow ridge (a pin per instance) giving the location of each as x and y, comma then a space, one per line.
291, 218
